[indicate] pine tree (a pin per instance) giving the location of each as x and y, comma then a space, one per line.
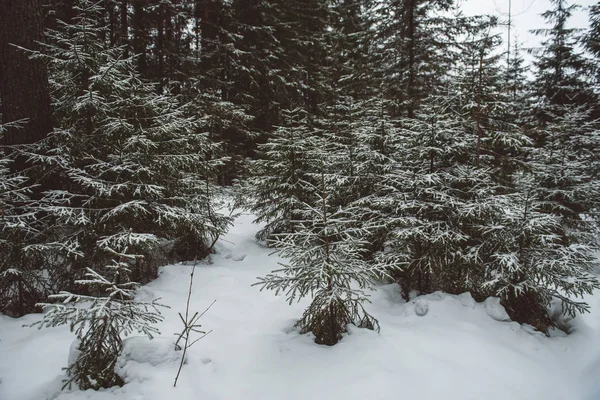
490, 104
345, 101
213, 85
532, 263
434, 197
302, 27
100, 321
560, 67
416, 42
566, 167
519, 92
325, 262
591, 41
22, 284
135, 167
281, 179
26, 118
170, 42
375, 168
260, 74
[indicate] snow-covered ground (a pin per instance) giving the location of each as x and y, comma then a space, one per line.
458, 350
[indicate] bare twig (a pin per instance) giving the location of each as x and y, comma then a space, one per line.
189, 325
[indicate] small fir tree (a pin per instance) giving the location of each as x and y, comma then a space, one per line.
325, 262
99, 321
531, 262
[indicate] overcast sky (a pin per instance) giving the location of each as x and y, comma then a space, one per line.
526, 15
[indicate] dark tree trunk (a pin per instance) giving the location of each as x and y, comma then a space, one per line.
411, 60
209, 11
139, 36
112, 22
23, 82
124, 28
160, 46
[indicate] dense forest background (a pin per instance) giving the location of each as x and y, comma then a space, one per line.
377, 139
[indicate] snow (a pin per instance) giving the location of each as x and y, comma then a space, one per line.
436, 346
494, 310
421, 307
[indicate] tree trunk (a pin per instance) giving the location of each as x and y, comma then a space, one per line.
139, 36
124, 28
412, 100
23, 82
111, 20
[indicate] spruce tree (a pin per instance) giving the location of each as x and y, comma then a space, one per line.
99, 322
212, 83
302, 27
416, 42
434, 198
281, 179
349, 95
375, 169
591, 40
135, 166
560, 67
566, 167
22, 282
258, 78
325, 262
532, 263
490, 104
519, 91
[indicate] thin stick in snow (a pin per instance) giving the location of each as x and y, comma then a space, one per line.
189, 325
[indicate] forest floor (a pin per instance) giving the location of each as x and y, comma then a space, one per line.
459, 350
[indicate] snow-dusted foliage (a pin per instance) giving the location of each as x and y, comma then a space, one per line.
21, 282
325, 261
99, 321
462, 214
560, 78
532, 260
136, 171
376, 169
281, 180
419, 204
432, 176
566, 165
14, 281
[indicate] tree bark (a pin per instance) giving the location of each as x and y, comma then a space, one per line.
124, 28
139, 36
411, 60
111, 22
24, 88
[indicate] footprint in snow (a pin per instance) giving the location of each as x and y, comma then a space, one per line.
235, 257
238, 257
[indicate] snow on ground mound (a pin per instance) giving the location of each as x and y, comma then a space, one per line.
434, 347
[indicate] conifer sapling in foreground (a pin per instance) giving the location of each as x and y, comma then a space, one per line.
99, 321
325, 262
